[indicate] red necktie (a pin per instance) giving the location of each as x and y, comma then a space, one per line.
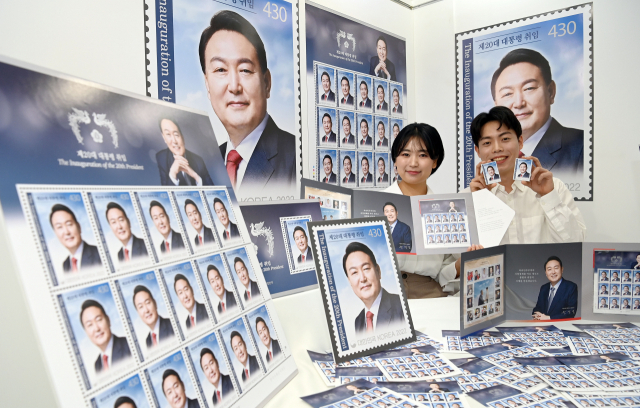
369, 322
74, 265
105, 362
302, 261
166, 244
362, 141
380, 143
345, 180
248, 295
154, 339
126, 254
363, 180
270, 356
326, 139
246, 373
395, 110
379, 106
193, 321
345, 140
200, 238
326, 179
223, 308
344, 100
218, 394
325, 97
379, 179
362, 103
228, 235
233, 161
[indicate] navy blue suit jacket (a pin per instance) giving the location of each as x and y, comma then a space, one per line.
308, 257
332, 179
331, 138
176, 242
402, 237
253, 367
350, 140
385, 178
384, 107
165, 159
368, 179
166, 331
229, 302
389, 313
331, 97
233, 232
367, 142
119, 352
351, 179
227, 387
385, 142
201, 315
381, 74
397, 110
255, 290
90, 257
193, 403
207, 236
273, 162
276, 350
564, 304
138, 248
561, 148
349, 100
365, 104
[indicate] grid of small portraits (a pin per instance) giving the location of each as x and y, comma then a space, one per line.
421, 341
591, 346
586, 401
541, 399
326, 367
357, 119
474, 382
346, 375
591, 377
617, 291
427, 366
614, 337
483, 289
491, 372
436, 399
445, 229
455, 343
543, 338
332, 208
506, 357
373, 398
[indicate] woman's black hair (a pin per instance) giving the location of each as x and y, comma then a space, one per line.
427, 134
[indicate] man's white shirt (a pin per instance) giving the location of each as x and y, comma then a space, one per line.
374, 309
156, 331
245, 149
393, 225
129, 247
108, 352
78, 256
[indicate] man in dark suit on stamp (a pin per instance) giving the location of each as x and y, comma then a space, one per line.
174, 392
558, 299
400, 232
346, 98
69, 232
132, 246
379, 65
249, 287
365, 102
197, 312
302, 243
349, 177
222, 385
272, 345
329, 175
172, 239
366, 176
204, 233
231, 230
329, 136
226, 300
160, 328
397, 108
249, 363
347, 137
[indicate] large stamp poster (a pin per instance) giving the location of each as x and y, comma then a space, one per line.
357, 93
541, 68
238, 61
616, 282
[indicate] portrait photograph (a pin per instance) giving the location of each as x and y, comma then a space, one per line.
129, 391
92, 317
491, 173
224, 218
327, 128
522, 170
162, 224
381, 140
485, 288
147, 312
126, 243
296, 242
326, 85
171, 383
218, 287
381, 96
383, 163
213, 376
557, 122
242, 270
334, 193
348, 135
395, 126
424, 363
186, 299
270, 346
245, 361
365, 131
328, 166
365, 99
396, 108
68, 239
347, 89
195, 220
366, 168
358, 265
349, 168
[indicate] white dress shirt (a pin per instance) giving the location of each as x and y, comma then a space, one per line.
156, 331
393, 225
374, 309
555, 291
541, 220
245, 149
222, 300
169, 239
108, 352
248, 289
129, 247
440, 267
530, 144
192, 313
77, 255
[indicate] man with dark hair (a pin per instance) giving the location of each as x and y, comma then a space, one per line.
172, 239
327, 126
383, 141
174, 392
231, 230
197, 312
491, 174
366, 176
239, 348
251, 289
400, 232
365, 102
558, 299
160, 328
379, 65
349, 177
329, 175
204, 233
124, 402
69, 232
382, 310
132, 246
364, 132
523, 83
300, 237
177, 165
97, 326
523, 173
327, 94
272, 345
346, 99
382, 104
544, 208
259, 156
226, 300
383, 177
222, 384
397, 108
